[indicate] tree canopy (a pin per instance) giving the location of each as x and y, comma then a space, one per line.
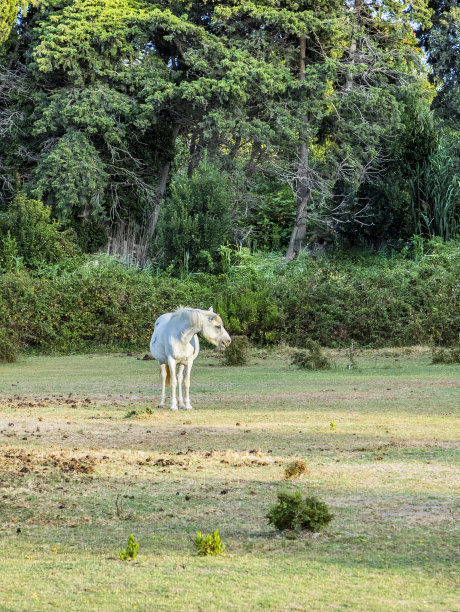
102, 102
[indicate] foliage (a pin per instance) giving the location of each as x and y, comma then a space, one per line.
209, 544
293, 512
446, 355
441, 41
435, 195
130, 552
8, 346
311, 360
80, 304
29, 232
195, 219
295, 469
102, 102
237, 353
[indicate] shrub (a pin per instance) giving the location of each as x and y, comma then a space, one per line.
293, 512
237, 353
8, 347
196, 219
130, 552
311, 360
209, 544
445, 355
29, 230
295, 469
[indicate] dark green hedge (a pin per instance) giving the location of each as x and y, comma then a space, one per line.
370, 301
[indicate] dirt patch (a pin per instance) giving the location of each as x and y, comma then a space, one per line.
27, 462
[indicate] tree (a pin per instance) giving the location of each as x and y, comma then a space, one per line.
196, 219
441, 42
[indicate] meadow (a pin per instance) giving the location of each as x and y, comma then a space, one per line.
87, 458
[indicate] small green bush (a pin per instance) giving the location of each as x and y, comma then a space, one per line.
295, 470
8, 347
130, 552
209, 544
293, 512
237, 353
446, 355
312, 358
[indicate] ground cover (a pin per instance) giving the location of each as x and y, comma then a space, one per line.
78, 475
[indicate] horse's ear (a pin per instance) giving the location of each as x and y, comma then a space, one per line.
211, 309
213, 317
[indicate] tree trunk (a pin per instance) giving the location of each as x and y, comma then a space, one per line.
159, 192
302, 181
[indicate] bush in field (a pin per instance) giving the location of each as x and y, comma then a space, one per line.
130, 552
209, 544
446, 355
311, 360
295, 470
237, 353
293, 512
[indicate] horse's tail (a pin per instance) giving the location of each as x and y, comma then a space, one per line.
168, 376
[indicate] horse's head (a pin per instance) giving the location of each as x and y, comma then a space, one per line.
213, 329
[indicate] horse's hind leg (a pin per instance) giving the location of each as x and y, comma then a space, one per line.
164, 375
180, 377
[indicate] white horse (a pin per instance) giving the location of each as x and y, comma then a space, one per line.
175, 342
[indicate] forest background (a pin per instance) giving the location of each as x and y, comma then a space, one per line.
295, 164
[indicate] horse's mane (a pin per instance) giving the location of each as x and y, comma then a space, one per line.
193, 315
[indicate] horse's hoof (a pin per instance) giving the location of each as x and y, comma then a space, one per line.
161, 405
188, 407
174, 407
182, 406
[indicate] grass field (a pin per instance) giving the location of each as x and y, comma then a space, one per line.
78, 475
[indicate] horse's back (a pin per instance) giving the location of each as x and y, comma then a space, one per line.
160, 341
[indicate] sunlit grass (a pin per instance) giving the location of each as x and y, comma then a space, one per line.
77, 477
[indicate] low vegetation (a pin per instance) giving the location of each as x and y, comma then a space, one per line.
209, 544
295, 513
335, 302
446, 355
130, 552
237, 353
295, 469
312, 358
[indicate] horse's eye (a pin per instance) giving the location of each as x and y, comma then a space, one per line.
219, 326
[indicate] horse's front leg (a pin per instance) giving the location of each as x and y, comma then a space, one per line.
180, 377
164, 375
188, 405
172, 369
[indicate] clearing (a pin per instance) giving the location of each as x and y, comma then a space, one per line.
83, 464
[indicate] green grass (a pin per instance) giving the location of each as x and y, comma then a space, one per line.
388, 472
